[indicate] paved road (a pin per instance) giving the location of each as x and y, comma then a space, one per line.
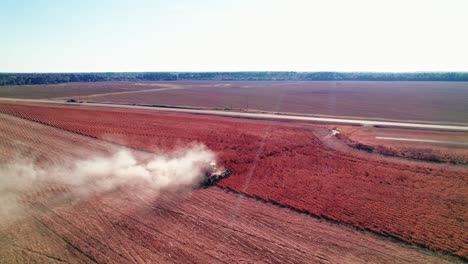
261, 116
424, 140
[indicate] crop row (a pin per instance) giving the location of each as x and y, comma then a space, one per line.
288, 165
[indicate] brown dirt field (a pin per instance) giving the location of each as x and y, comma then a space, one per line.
416, 101
204, 225
73, 90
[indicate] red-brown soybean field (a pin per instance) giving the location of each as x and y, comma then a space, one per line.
415, 101
436, 146
297, 193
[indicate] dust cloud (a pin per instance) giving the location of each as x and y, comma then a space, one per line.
181, 167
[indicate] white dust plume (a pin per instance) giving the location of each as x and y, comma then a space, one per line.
178, 168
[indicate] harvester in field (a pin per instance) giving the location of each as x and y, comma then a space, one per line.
213, 174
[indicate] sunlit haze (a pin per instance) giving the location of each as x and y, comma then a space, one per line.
241, 35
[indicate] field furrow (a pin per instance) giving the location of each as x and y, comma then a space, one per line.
287, 164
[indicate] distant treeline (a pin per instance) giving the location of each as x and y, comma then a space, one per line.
51, 78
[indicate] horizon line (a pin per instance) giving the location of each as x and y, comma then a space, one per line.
237, 71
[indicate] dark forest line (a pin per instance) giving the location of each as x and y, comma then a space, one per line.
53, 78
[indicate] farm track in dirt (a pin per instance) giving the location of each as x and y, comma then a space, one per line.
246, 178
77, 90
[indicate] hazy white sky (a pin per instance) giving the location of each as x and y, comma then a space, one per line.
222, 35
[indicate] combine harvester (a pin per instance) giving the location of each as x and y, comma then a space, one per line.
214, 175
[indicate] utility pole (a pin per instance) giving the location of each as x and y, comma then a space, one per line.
247, 101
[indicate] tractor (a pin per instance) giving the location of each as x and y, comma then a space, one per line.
213, 174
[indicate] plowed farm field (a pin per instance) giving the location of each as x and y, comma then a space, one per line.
416, 101
75, 90
287, 165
